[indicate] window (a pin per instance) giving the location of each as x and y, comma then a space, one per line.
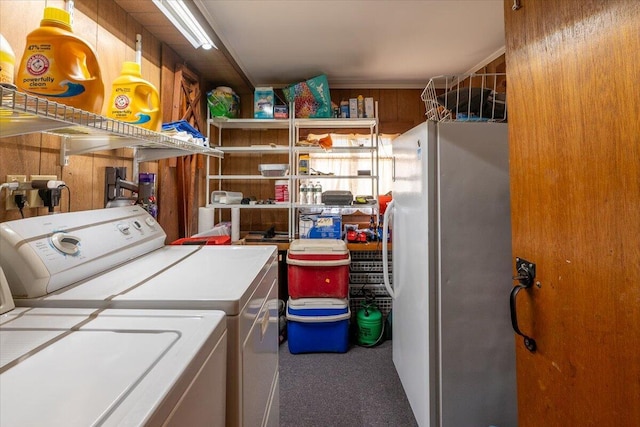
344, 165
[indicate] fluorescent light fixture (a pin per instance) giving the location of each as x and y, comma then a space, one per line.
182, 18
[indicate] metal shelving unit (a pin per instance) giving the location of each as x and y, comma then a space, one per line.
83, 132
221, 124
293, 125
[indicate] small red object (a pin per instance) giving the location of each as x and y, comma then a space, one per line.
208, 240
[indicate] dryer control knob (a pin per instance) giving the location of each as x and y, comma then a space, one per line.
124, 228
66, 243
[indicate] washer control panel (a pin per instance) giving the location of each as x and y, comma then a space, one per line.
64, 248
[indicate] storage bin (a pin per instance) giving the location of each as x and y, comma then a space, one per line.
318, 268
318, 325
203, 240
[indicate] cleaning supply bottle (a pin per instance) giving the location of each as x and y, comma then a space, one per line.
60, 66
134, 100
7, 63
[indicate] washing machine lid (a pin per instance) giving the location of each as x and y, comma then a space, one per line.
80, 367
173, 277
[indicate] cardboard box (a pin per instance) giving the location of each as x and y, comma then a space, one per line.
280, 112
369, 111
263, 103
353, 108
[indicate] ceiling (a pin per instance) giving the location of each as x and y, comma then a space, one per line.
356, 43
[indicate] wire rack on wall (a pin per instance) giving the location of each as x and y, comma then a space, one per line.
470, 97
366, 281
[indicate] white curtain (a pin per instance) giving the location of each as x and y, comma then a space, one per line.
350, 164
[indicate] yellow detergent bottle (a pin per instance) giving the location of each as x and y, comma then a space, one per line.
134, 100
60, 66
7, 63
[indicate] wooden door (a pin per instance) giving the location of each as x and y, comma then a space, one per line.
573, 84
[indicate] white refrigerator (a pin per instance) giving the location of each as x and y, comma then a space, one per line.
453, 346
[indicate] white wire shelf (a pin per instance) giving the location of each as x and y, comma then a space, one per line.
335, 149
249, 124
335, 123
252, 149
247, 177
285, 205
85, 132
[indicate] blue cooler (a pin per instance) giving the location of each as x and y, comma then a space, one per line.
318, 325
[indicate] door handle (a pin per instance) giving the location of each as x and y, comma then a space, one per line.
385, 249
526, 274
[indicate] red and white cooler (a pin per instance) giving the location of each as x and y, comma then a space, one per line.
318, 268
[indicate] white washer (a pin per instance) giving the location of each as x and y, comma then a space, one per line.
81, 367
116, 258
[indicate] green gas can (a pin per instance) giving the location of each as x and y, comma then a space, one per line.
369, 321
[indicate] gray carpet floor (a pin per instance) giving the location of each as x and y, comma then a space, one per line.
357, 388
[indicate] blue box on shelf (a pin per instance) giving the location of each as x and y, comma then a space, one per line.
320, 226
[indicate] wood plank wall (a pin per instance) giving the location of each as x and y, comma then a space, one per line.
111, 31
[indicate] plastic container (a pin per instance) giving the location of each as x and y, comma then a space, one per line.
7, 63
318, 268
282, 191
318, 325
147, 193
203, 241
60, 66
134, 100
369, 322
223, 102
273, 169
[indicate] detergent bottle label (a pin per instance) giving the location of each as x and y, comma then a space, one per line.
135, 103
43, 79
122, 108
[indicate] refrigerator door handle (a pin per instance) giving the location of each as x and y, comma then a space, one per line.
385, 249
526, 274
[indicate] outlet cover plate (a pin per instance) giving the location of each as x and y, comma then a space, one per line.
9, 201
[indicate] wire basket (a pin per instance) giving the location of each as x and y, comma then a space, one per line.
471, 97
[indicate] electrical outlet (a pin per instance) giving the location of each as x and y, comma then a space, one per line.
33, 199
10, 202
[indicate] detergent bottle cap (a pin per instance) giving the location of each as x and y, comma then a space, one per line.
58, 16
131, 68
